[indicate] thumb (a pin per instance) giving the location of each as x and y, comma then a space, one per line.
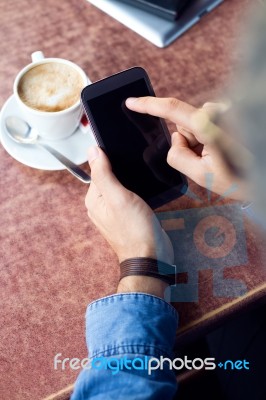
101, 173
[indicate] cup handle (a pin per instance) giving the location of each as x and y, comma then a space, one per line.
37, 56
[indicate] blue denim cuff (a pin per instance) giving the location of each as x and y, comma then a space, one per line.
130, 323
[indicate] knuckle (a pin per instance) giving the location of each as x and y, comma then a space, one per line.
183, 131
173, 103
176, 107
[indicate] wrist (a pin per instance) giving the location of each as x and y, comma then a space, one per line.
146, 275
159, 248
148, 252
143, 284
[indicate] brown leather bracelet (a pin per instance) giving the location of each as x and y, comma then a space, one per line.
148, 267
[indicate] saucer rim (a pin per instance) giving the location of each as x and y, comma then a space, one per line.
3, 142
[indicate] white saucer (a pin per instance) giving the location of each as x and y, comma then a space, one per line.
74, 147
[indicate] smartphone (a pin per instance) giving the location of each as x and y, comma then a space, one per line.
136, 144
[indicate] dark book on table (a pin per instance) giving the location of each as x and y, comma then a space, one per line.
168, 9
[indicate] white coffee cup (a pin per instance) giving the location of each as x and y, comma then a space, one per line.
51, 125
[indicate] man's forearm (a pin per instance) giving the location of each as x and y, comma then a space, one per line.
143, 284
133, 326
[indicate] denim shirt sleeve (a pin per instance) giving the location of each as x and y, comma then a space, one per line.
124, 332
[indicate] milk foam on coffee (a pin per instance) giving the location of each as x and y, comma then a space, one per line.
50, 87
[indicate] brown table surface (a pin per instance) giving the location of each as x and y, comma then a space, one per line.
53, 260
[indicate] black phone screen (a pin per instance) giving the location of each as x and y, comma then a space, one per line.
136, 144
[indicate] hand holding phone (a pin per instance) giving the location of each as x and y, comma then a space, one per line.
136, 144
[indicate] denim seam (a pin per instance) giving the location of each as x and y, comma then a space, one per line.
126, 347
120, 296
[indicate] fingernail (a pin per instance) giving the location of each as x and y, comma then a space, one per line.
93, 153
131, 100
